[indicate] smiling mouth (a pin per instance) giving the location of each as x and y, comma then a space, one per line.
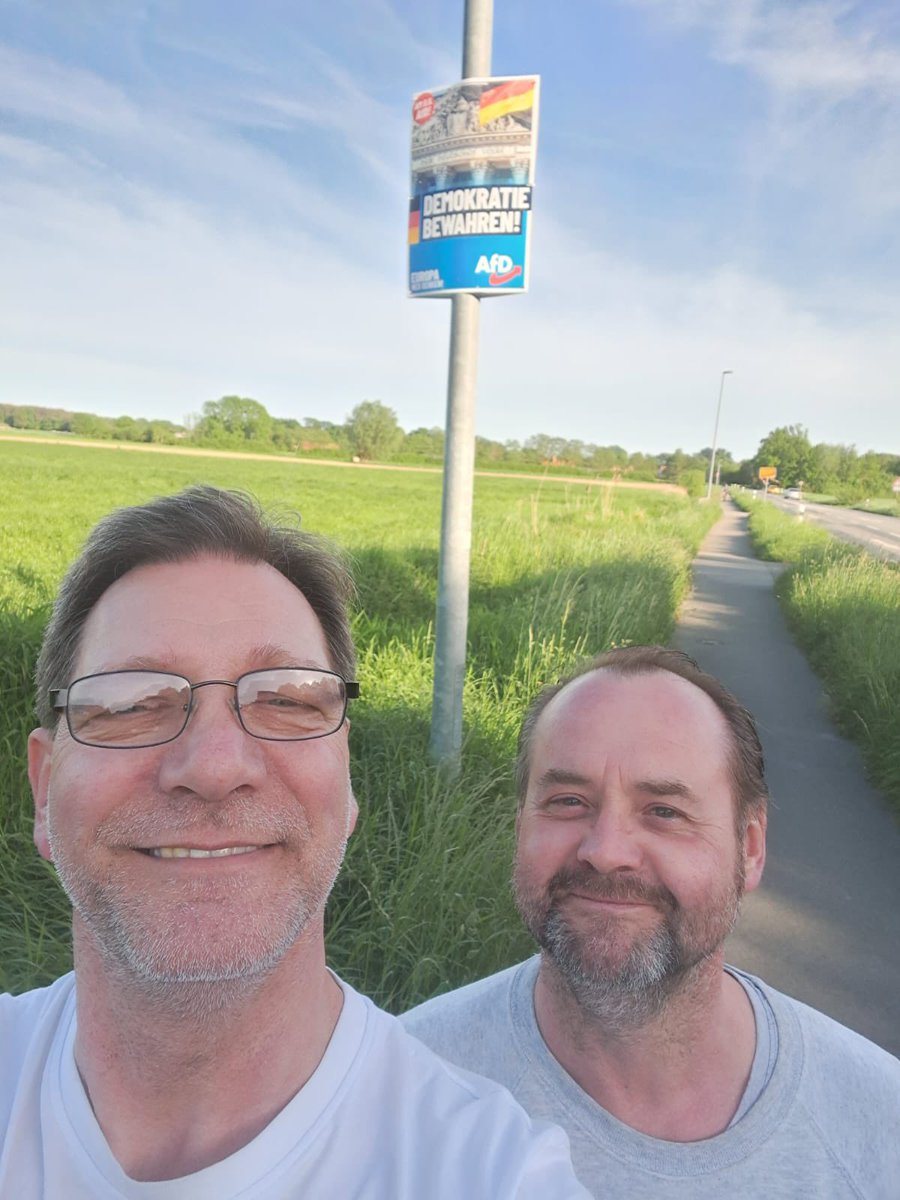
193, 852
613, 901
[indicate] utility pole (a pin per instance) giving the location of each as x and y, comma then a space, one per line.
452, 618
715, 441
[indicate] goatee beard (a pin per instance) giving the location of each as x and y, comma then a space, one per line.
623, 989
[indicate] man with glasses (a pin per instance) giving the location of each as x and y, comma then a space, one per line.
641, 823
191, 787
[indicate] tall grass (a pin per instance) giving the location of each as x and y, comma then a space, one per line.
558, 571
843, 606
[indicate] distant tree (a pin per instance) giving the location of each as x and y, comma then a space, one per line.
675, 465
607, 458
159, 432
24, 418
374, 431
287, 434
643, 466
90, 425
788, 449
543, 448
126, 429
234, 421
427, 444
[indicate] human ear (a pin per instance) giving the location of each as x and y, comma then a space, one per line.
40, 751
754, 849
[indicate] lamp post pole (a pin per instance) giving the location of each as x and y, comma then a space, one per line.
452, 615
715, 441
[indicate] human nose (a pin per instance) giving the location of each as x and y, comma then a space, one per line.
214, 756
611, 842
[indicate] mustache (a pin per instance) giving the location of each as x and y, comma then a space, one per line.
243, 820
608, 886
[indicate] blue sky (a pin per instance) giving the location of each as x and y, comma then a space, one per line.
202, 198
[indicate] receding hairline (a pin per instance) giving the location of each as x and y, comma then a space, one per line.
617, 671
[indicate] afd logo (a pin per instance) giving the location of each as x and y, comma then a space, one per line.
499, 268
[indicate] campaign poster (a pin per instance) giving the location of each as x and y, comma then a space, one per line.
473, 151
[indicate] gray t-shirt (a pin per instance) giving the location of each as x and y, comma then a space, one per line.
821, 1118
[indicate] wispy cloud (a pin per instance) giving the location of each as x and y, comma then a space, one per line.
37, 87
831, 47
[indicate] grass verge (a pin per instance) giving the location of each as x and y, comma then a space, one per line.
558, 572
843, 607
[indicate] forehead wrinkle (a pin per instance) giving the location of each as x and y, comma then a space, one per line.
271, 654
263, 656
140, 662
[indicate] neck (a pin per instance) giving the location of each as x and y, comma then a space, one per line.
239, 1052
678, 1075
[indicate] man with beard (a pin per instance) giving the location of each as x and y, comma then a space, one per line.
191, 786
641, 823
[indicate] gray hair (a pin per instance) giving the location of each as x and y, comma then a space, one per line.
199, 520
747, 765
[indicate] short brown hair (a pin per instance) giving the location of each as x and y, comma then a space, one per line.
747, 764
199, 520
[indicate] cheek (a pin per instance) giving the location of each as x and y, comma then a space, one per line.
84, 790
541, 851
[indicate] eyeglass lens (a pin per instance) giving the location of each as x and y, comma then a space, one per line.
145, 708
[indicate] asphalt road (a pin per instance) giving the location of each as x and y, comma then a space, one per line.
825, 924
879, 534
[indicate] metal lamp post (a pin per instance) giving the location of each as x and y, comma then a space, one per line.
715, 441
452, 616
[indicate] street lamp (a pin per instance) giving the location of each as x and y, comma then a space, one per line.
712, 457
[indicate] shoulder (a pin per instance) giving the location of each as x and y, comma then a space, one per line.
469, 1024
848, 1088
463, 1117
488, 999
405, 1037
24, 1015
28, 1026
840, 1059
833, 1053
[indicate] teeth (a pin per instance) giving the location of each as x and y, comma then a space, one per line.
184, 852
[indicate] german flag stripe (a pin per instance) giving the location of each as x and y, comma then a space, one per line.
515, 96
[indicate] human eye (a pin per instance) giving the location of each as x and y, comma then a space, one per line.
124, 709
665, 812
280, 700
289, 704
145, 704
564, 804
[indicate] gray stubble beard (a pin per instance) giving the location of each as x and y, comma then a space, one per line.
136, 954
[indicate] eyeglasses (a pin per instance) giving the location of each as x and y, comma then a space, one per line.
125, 710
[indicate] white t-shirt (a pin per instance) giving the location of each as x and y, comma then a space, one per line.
382, 1118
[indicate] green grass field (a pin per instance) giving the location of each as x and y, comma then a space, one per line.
843, 607
558, 572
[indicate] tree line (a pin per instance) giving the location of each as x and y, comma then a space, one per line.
372, 433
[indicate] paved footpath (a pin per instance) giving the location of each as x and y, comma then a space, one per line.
825, 924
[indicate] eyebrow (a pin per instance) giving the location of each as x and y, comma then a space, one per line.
561, 775
652, 787
667, 787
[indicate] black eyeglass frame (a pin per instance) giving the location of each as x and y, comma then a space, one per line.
59, 702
